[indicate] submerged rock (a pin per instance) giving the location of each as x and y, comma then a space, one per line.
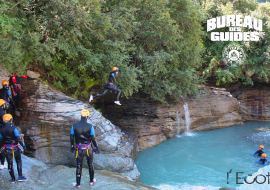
39, 177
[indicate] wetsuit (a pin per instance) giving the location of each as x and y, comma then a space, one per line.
9, 139
6, 95
259, 152
110, 86
263, 161
83, 134
15, 81
2, 112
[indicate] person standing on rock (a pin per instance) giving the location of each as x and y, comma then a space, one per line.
110, 86
83, 134
6, 95
2, 113
15, 81
9, 139
260, 151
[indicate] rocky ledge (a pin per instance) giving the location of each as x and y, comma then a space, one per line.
40, 176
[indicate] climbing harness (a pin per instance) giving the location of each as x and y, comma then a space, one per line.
83, 146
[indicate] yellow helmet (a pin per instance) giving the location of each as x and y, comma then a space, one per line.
261, 146
264, 155
2, 102
7, 117
5, 82
115, 69
85, 112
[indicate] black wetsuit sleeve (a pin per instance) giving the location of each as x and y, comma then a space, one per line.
72, 137
18, 138
1, 140
29, 78
72, 140
92, 137
112, 77
94, 140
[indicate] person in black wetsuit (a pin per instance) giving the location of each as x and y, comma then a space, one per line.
2, 113
15, 82
6, 95
9, 139
260, 151
83, 134
263, 160
110, 86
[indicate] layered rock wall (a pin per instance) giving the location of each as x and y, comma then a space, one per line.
155, 122
254, 101
46, 122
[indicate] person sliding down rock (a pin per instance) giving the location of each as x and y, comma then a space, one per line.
9, 138
2, 113
15, 80
83, 134
260, 151
110, 86
263, 159
6, 95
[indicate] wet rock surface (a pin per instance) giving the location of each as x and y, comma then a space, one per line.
40, 176
155, 122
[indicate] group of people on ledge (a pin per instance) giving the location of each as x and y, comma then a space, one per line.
11, 91
10, 97
82, 134
9, 139
82, 144
263, 156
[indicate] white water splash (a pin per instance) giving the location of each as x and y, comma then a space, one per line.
187, 117
178, 122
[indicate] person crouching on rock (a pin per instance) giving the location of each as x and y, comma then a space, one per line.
263, 159
9, 138
110, 86
83, 134
260, 151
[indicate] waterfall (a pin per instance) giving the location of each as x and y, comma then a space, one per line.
178, 122
187, 117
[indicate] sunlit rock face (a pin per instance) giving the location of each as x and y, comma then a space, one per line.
46, 122
155, 122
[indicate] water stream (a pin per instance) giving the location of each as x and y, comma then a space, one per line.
203, 160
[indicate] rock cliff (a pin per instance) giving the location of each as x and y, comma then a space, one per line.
155, 122
46, 122
254, 101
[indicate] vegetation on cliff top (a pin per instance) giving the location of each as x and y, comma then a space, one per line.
162, 46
